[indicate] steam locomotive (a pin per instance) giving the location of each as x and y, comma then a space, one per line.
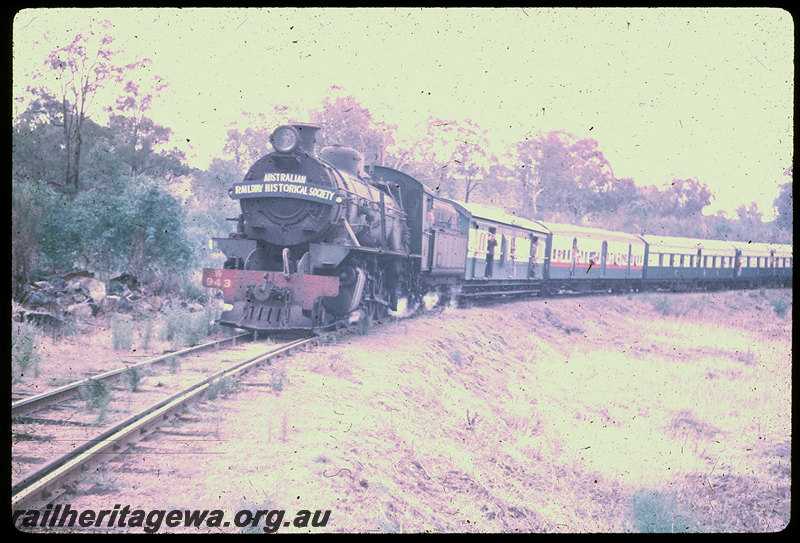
321, 242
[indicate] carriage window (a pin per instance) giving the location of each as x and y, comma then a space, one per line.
660, 260
747, 262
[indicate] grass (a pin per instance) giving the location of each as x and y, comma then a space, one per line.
183, 328
221, 387
780, 306
146, 334
277, 380
25, 357
173, 364
133, 377
67, 327
662, 305
97, 396
626, 428
326, 338
657, 512
121, 333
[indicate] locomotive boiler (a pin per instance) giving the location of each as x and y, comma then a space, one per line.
317, 240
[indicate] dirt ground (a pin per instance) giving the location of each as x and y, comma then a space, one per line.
642, 412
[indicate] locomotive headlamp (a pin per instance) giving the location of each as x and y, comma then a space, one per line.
285, 139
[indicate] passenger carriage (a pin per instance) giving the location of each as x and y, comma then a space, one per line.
753, 259
579, 252
502, 246
783, 260
689, 259
720, 260
673, 258
762, 260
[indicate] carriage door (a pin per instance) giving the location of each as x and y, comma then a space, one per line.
628, 268
574, 258
490, 245
737, 262
603, 259
699, 254
532, 259
427, 232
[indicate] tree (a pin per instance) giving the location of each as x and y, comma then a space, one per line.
134, 138
81, 68
245, 147
784, 205
37, 143
27, 213
684, 198
345, 121
215, 181
454, 154
563, 176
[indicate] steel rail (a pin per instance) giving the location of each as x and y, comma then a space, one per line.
31, 404
128, 432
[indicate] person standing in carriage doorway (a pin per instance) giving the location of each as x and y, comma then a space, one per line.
490, 245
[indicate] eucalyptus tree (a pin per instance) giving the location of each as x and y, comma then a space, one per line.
74, 75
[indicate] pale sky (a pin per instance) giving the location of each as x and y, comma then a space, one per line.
667, 93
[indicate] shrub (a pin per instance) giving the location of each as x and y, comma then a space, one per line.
662, 305
121, 333
780, 306
221, 387
174, 364
277, 379
97, 395
24, 350
185, 328
655, 512
131, 225
133, 376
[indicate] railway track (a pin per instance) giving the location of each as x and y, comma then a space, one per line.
31, 404
68, 436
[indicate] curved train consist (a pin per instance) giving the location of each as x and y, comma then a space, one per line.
320, 242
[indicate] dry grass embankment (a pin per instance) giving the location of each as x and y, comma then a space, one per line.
646, 412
